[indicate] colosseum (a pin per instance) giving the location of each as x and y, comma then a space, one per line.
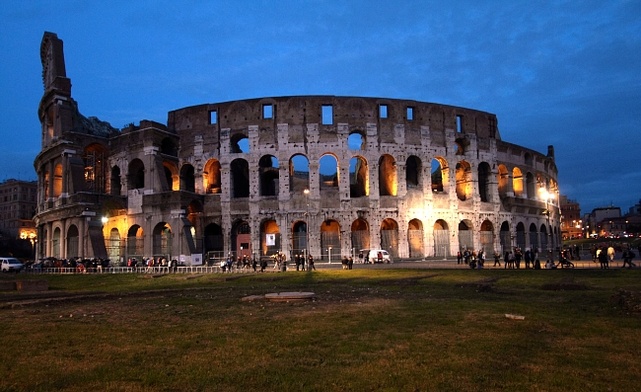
324, 175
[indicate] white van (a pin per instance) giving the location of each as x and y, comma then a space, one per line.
10, 264
371, 256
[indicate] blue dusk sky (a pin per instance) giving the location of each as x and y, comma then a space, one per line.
561, 73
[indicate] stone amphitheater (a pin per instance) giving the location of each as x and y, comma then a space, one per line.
324, 175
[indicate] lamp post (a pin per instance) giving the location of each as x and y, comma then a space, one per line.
547, 196
306, 251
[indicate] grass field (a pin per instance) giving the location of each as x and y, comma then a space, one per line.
367, 330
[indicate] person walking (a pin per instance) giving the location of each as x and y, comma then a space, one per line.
497, 259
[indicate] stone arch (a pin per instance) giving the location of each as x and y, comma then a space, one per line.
116, 185
135, 242
298, 173
544, 240
161, 241
239, 178
534, 238
413, 172
463, 180
441, 239
211, 177
328, 171
517, 182
484, 173
136, 174
57, 180
504, 176
389, 236
268, 175
95, 171
241, 237
415, 238
520, 235
239, 143
187, 178
73, 242
300, 238
360, 234
487, 238
330, 231
465, 235
440, 175
358, 177
505, 237
213, 241
270, 237
171, 177
387, 177
356, 140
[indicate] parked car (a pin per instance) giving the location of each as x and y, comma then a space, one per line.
10, 264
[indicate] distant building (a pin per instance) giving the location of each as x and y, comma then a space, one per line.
17, 207
595, 221
571, 222
635, 209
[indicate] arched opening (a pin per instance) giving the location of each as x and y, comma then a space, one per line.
505, 237
520, 235
211, 177
484, 181
270, 238
389, 236
172, 179
135, 242
360, 235
57, 180
356, 141
241, 238
239, 178
358, 177
268, 175
415, 238
298, 173
73, 242
487, 238
328, 171
413, 170
465, 236
136, 174
545, 243
504, 177
214, 242
387, 177
95, 167
534, 239
439, 175
441, 239
331, 240
530, 185
239, 144
299, 238
187, 178
463, 180
162, 236
116, 185
517, 182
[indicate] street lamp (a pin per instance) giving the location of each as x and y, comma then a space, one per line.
306, 250
33, 238
547, 196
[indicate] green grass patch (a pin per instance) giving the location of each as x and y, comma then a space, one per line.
391, 329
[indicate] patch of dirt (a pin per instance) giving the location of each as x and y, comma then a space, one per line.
628, 301
565, 285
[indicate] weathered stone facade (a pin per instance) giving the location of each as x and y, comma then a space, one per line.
249, 177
